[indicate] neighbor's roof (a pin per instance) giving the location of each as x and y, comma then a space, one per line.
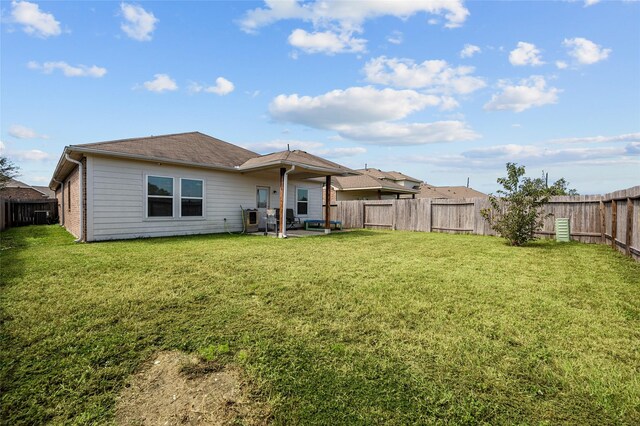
13, 183
192, 147
297, 158
45, 190
430, 191
366, 182
380, 174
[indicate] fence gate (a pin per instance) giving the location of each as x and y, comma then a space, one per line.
378, 215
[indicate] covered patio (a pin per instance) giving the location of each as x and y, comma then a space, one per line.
298, 165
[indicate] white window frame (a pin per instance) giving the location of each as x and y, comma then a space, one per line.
204, 204
146, 197
308, 192
268, 188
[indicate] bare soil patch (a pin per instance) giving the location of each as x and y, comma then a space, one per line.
174, 388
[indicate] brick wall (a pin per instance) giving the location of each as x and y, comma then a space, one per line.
21, 194
71, 193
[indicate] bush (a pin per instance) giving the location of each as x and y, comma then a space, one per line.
517, 213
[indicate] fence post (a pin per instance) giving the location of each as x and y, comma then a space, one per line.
429, 214
364, 213
614, 222
603, 226
629, 226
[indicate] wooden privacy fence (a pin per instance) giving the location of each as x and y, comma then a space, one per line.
612, 219
27, 212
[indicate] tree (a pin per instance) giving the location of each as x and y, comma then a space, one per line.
8, 170
516, 214
559, 187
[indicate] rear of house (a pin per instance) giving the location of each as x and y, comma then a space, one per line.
179, 184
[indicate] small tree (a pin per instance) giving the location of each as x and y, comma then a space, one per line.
8, 170
516, 214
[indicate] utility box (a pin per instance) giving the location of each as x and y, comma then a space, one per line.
563, 232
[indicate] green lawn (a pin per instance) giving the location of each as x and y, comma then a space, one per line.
353, 328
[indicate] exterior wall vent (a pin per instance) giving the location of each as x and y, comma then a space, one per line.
563, 232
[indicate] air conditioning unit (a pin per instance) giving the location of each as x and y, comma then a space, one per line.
251, 220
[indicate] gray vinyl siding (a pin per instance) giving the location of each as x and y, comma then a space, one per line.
117, 203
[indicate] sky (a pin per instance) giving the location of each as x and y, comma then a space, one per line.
441, 90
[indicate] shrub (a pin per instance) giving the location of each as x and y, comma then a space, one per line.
516, 214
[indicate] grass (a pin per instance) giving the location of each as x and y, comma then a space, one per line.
355, 328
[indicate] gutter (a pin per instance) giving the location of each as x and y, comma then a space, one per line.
283, 210
79, 163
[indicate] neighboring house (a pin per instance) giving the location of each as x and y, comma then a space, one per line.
373, 184
180, 184
366, 187
16, 190
395, 177
430, 191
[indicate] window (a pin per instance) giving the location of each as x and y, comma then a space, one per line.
191, 197
159, 196
262, 197
302, 201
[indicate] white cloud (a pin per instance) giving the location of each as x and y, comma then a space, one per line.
434, 74
395, 37
355, 105
350, 15
627, 137
585, 51
469, 50
161, 83
531, 92
23, 132
34, 21
588, 3
525, 54
494, 157
409, 133
223, 87
561, 65
68, 70
30, 155
283, 144
327, 42
139, 24
342, 152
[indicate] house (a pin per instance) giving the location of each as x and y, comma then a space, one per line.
181, 184
395, 177
430, 191
16, 190
373, 184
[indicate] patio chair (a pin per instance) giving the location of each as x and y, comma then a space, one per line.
291, 219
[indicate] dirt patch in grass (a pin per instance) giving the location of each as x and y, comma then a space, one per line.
174, 388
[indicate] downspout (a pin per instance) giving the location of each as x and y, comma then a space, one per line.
283, 213
79, 163
61, 197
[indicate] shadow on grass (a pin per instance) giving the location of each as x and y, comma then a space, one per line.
15, 241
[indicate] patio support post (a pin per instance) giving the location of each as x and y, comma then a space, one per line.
283, 212
327, 205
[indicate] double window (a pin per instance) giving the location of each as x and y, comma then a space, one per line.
161, 194
302, 201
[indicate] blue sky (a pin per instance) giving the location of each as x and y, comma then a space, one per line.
440, 90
